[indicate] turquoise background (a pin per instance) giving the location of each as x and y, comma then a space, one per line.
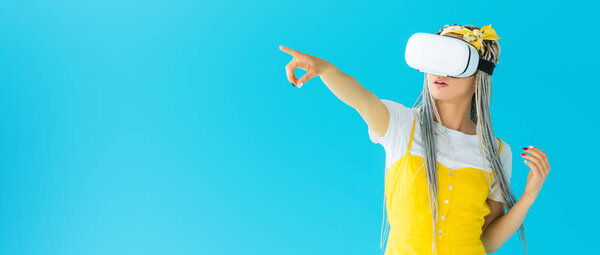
169, 127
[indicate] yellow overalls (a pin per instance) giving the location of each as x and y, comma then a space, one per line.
462, 195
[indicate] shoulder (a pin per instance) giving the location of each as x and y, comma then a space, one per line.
504, 146
398, 112
398, 126
393, 104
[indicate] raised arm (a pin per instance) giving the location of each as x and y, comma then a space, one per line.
343, 86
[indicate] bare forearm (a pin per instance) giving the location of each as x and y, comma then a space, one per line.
503, 227
345, 87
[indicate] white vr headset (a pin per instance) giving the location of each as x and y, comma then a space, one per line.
444, 55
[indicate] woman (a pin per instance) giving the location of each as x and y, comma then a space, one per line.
447, 175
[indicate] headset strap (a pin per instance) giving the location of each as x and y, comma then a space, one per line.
486, 66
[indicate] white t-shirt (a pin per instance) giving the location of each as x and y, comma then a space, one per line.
462, 151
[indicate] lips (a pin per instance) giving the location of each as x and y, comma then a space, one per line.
439, 80
439, 85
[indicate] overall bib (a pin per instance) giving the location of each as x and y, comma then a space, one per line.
462, 195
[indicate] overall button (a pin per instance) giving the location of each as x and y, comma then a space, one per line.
443, 217
439, 232
451, 173
450, 187
446, 202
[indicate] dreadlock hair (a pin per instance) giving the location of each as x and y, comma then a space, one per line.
480, 114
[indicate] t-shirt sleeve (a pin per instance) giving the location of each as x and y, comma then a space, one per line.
506, 159
400, 118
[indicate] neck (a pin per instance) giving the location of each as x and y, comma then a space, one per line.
456, 115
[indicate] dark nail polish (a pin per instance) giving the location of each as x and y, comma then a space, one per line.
524, 148
293, 84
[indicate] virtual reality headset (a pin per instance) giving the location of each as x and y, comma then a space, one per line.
444, 55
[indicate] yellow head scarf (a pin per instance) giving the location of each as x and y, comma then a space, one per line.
474, 37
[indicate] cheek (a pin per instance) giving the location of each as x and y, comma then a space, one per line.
465, 86
467, 89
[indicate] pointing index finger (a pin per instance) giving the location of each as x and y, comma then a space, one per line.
289, 50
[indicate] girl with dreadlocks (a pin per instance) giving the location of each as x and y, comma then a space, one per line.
447, 177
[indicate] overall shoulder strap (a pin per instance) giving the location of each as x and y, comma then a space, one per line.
412, 132
499, 152
500, 144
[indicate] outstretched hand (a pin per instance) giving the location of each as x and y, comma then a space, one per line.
313, 65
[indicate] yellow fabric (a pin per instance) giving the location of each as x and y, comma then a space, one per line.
474, 37
409, 213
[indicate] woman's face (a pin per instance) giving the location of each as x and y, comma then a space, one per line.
454, 89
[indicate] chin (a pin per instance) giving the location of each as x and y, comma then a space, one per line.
441, 93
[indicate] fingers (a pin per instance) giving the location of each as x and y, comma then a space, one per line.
539, 158
299, 61
310, 73
295, 63
289, 70
538, 154
534, 167
290, 51
538, 164
542, 156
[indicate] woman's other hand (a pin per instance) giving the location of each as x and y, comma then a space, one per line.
313, 65
538, 162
